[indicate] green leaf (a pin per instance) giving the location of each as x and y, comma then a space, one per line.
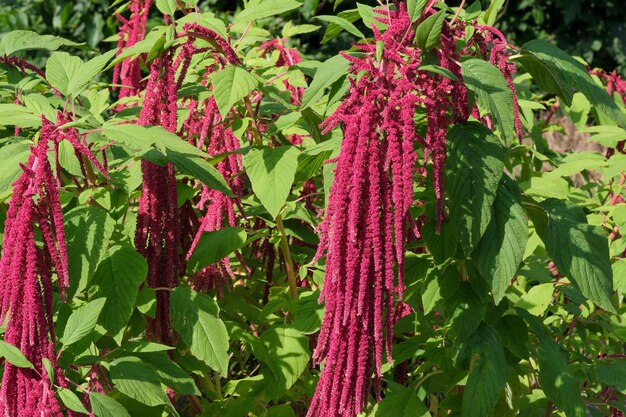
261, 9
501, 249
118, 278
403, 402
493, 95
230, 85
580, 252
289, 30
487, 376
171, 374
88, 230
557, 72
16, 115
466, 311
436, 69
613, 373
473, 170
342, 23
214, 246
491, 14
70, 75
272, 172
82, 322
309, 313
537, 299
333, 30
14, 356
11, 156
103, 406
138, 380
167, 7
161, 146
22, 40
557, 380
288, 355
415, 8
429, 31
71, 401
196, 319
326, 74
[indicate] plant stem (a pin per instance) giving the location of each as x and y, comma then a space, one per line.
284, 246
256, 133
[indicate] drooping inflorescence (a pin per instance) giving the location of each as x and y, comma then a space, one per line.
157, 235
26, 277
128, 72
364, 231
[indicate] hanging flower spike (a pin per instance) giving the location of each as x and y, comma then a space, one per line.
26, 280
128, 72
157, 235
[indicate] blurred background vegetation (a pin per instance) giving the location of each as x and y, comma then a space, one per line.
592, 29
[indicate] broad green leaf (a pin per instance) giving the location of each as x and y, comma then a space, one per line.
104, 406
326, 74
557, 380
230, 85
88, 230
71, 401
196, 319
15, 115
472, 173
70, 75
145, 347
82, 321
436, 69
161, 146
138, 380
14, 356
493, 95
429, 31
368, 16
613, 373
333, 30
143, 46
167, 7
415, 8
466, 311
11, 156
282, 410
501, 249
272, 172
491, 14
487, 375
342, 23
170, 373
260, 9
288, 355
557, 72
537, 299
580, 252
309, 313
402, 402
214, 246
289, 30
118, 278
22, 40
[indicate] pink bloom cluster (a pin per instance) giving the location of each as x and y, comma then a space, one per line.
157, 235
213, 135
128, 72
26, 276
365, 228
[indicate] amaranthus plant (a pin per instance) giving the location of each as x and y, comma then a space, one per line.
221, 217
